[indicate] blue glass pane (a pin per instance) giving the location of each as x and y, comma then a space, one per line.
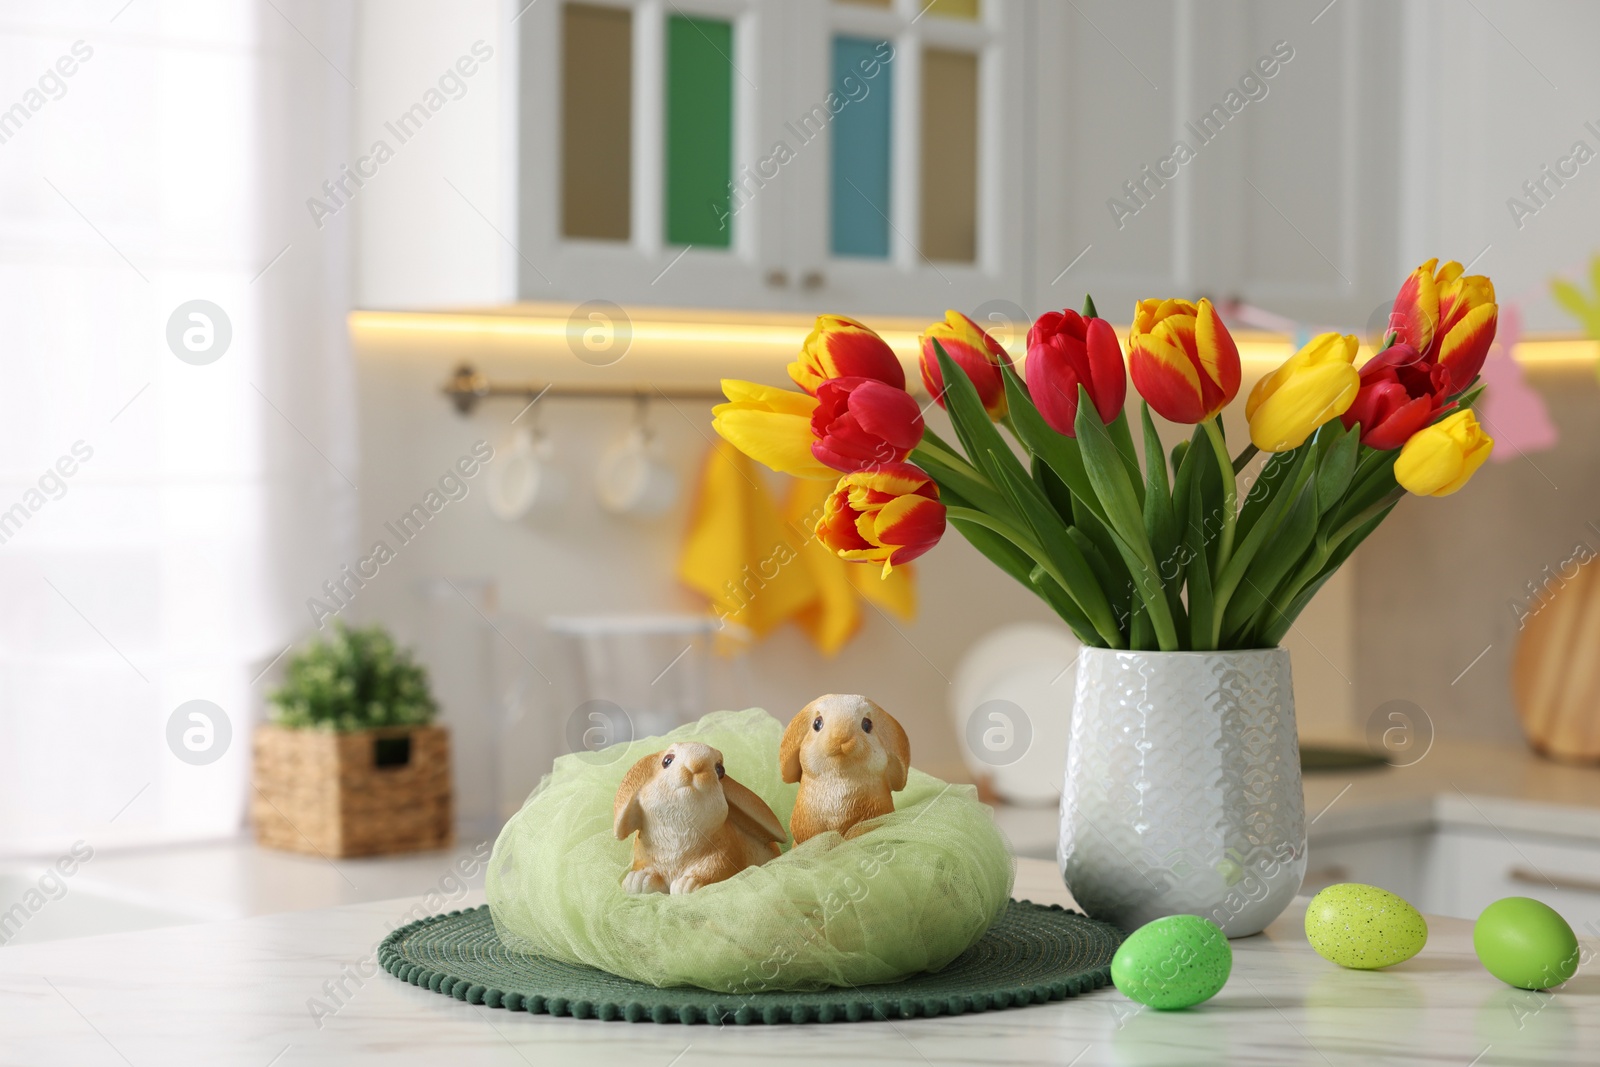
860, 108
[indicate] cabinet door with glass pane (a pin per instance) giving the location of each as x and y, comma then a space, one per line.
842, 154
636, 118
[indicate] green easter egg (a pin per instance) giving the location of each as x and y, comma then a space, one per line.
1364, 927
1175, 962
1525, 943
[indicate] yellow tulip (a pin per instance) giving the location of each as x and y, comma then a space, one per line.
1312, 386
1439, 459
771, 426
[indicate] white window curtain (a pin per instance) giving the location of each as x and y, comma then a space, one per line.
162, 520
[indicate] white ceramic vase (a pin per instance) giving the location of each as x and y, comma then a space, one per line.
1182, 791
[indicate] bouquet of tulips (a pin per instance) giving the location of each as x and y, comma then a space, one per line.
1172, 554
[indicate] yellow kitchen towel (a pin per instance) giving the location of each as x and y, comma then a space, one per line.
760, 566
739, 552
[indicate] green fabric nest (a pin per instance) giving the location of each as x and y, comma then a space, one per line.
353, 680
908, 896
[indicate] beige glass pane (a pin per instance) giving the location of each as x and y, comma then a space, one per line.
867, 3
950, 9
949, 155
596, 121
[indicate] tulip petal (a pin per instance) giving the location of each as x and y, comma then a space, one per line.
1165, 377
1107, 371
1392, 429
1416, 308
1440, 459
888, 413
781, 442
785, 401
1302, 403
1467, 345
1219, 356
1428, 463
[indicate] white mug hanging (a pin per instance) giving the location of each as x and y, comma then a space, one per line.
632, 479
522, 479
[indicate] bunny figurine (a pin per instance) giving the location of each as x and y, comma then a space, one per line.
848, 755
696, 825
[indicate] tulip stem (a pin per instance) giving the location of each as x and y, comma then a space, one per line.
1230, 491
1243, 459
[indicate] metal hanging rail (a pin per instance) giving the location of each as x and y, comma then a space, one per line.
468, 387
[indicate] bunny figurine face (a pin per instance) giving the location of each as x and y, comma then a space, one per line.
849, 756
695, 824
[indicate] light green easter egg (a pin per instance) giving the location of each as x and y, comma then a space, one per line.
1175, 962
1525, 943
1364, 927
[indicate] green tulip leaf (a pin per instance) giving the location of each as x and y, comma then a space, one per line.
1337, 464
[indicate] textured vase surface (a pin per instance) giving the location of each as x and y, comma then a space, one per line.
1183, 792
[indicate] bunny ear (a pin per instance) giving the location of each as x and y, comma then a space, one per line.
750, 813
789, 747
625, 811
896, 744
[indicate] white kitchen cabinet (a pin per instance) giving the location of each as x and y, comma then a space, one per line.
1237, 149
683, 152
1395, 861
1470, 868
1034, 117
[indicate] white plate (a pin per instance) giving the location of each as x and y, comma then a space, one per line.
1011, 704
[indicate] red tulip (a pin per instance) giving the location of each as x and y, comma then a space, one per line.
974, 352
861, 423
840, 347
1400, 393
889, 514
1066, 350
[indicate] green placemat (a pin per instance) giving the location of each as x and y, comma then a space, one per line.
1032, 954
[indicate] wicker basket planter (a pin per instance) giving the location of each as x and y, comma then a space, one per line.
355, 793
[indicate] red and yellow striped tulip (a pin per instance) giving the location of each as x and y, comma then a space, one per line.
1182, 359
840, 347
861, 423
1449, 317
1312, 386
1066, 350
889, 514
975, 352
772, 426
1441, 458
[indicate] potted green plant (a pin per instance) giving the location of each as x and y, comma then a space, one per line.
351, 763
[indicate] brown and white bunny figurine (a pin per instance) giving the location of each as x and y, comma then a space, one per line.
849, 756
696, 825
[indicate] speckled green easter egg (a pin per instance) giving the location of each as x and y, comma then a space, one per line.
1175, 962
1364, 927
1525, 943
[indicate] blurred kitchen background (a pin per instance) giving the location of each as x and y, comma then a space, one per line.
625, 200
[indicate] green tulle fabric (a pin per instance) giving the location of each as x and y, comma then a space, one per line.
907, 896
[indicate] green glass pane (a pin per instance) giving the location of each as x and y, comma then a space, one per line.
699, 131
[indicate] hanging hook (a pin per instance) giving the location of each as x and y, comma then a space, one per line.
641, 416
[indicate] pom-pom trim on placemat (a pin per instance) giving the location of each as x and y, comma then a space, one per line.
1034, 953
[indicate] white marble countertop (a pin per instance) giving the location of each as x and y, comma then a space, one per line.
243, 992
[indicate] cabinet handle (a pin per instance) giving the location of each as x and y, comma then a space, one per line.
1526, 876
778, 279
813, 279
